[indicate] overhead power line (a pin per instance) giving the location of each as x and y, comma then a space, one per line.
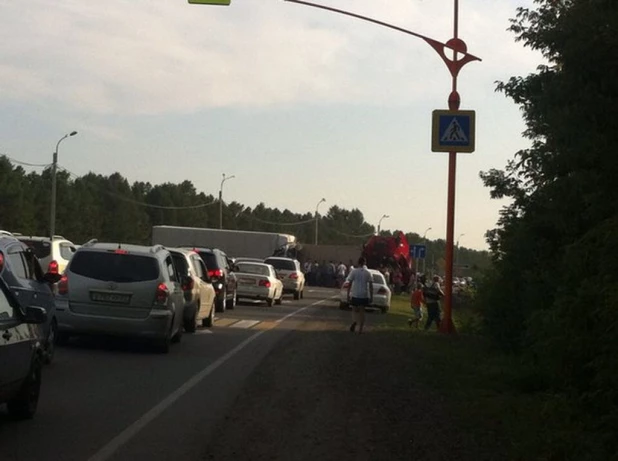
19, 162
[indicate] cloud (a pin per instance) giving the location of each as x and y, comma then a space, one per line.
127, 57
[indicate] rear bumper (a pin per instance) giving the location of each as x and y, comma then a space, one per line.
291, 286
155, 326
254, 292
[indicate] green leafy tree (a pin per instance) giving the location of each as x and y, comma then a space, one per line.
553, 289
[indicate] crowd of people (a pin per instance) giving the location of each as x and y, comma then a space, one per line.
326, 274
332, 275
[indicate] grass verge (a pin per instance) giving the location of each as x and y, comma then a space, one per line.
491, 394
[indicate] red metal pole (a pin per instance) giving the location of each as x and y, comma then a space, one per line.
447, 326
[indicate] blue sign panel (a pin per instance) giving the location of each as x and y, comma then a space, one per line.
453, 131
418, 251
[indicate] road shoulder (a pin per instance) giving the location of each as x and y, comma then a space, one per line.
325, 393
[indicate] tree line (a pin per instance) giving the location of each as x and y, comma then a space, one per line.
112, 209
552, 294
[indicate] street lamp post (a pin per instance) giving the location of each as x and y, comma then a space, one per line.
424, 240
317, 219
380, 221
52, 218
221, 199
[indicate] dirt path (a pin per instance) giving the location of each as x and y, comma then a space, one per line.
327, 394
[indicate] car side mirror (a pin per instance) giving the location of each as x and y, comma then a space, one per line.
52, 278
35, 315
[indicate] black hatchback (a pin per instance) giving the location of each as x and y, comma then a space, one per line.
221, 273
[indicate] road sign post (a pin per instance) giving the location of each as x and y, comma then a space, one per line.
418, 251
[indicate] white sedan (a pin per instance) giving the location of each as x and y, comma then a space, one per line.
381, 293
258, 281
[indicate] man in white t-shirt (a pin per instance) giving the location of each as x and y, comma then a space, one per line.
360, 293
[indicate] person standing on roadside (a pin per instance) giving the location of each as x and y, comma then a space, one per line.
341, 272
432, 294
360, 293
416, 301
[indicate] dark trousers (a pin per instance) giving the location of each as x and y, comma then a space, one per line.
433, 313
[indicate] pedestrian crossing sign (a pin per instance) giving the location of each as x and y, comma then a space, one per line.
453, 131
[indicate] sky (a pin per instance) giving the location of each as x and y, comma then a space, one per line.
297, 103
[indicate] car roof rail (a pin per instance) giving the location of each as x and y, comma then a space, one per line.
90, 243
156, 248
59, 237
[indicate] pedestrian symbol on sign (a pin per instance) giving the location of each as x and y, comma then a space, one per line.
454, 133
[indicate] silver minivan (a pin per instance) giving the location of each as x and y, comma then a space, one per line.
121, 290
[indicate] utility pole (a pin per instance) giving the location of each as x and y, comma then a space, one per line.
317, 219
221, 199
52, 217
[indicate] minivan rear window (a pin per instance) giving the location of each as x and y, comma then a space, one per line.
114, 267
210, 260
181, 264
40, 248
282, 264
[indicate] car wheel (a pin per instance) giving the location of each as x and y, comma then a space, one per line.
269, 302
191, 324
297, 295
221, 302
279, 300
50, 343
343, 306
208, 321
62, 338
302, 293
163, 345
231, 304
384, 310
23, 405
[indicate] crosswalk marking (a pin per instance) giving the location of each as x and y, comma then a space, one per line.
203, 332
225, 322
245, 324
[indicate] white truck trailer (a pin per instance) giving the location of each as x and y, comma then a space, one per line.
233, 242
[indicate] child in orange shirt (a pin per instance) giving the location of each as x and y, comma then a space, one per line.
416, 301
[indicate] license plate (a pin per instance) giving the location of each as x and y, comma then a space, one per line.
114, 298
247, 281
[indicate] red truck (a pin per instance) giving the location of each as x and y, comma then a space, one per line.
392, 252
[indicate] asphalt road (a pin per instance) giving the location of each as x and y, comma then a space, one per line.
113, 399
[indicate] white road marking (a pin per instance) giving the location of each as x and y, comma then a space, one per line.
203, 332
245, 324
132, 430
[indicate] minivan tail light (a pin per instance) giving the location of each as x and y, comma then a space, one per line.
294, 275
215, 273
162, 293
382, 291
52, 268
63, 285
264, 283
1, 261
